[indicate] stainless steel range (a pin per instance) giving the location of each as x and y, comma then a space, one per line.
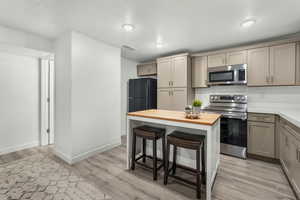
233, 122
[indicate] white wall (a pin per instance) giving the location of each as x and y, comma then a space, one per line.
128, 71
287, 97
88, 97
23, 39
62, 108
19, 116
96, 95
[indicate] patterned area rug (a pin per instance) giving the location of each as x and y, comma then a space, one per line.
40, 177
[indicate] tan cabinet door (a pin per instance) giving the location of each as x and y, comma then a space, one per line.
164, 101
179, 99
164, 73
283, 64
295, 161
199, 71
284, 150
216, 60
261, 139
236, 57
179, 76
258, 67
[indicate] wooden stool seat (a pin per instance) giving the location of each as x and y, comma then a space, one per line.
148, 133
187, 141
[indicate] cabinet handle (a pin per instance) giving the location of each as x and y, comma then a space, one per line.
298, 154
169, 83
267, 79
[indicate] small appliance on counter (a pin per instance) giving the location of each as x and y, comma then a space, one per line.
142, 94
233, 109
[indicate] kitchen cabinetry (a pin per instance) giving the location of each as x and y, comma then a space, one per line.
164, 73
172, 98
290, 153
298, 63
258, 67
261, 135
230, 58
275, 65
236, 57
173, 71
174, 82
283, 64
199, 71
216, 60
146, 69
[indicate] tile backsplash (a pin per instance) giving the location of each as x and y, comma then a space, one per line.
266, 97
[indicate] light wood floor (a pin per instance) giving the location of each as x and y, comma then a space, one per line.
237, 179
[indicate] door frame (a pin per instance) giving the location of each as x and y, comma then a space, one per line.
47, 100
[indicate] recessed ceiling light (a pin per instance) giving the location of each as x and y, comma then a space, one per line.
128, 27
247, 23
159, 45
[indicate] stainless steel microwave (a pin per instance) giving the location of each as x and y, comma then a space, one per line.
227, 75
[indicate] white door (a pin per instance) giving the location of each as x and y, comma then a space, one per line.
47, 106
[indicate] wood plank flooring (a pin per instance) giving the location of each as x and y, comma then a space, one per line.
236, 180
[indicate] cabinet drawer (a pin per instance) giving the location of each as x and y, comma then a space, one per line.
261, 117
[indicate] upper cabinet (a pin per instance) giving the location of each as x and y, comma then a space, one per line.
216, 60
274, 65
258, 67
298, 63
146, 69
199, 71
173, 71
230, 58
164, 73
174, 90
180, 72
283, 64
236, 57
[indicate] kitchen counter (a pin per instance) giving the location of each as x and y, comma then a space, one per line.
208, 125
290, 115
177, 116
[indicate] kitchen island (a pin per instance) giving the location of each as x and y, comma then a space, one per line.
208, 125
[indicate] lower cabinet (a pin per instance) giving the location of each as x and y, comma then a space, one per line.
261, 139
290, 154
172, 99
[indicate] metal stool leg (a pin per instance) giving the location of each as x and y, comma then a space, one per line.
203, 165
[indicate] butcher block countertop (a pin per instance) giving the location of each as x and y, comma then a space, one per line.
205, 118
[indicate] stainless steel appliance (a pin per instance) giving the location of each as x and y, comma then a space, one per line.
233, 122
227, 75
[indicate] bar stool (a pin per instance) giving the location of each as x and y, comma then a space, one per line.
148, 133
187, 141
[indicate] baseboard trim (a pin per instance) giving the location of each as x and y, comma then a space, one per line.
85, 155
96, 150
18, 147
62, 156
263, 158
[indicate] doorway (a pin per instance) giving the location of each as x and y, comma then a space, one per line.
47, 101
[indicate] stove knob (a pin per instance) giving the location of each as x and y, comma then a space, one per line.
238, 98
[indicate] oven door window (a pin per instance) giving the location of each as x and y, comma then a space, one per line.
234, 131
221, 76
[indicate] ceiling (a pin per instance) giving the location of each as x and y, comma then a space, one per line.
181, 25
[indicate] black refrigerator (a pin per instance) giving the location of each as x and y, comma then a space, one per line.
142, 94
